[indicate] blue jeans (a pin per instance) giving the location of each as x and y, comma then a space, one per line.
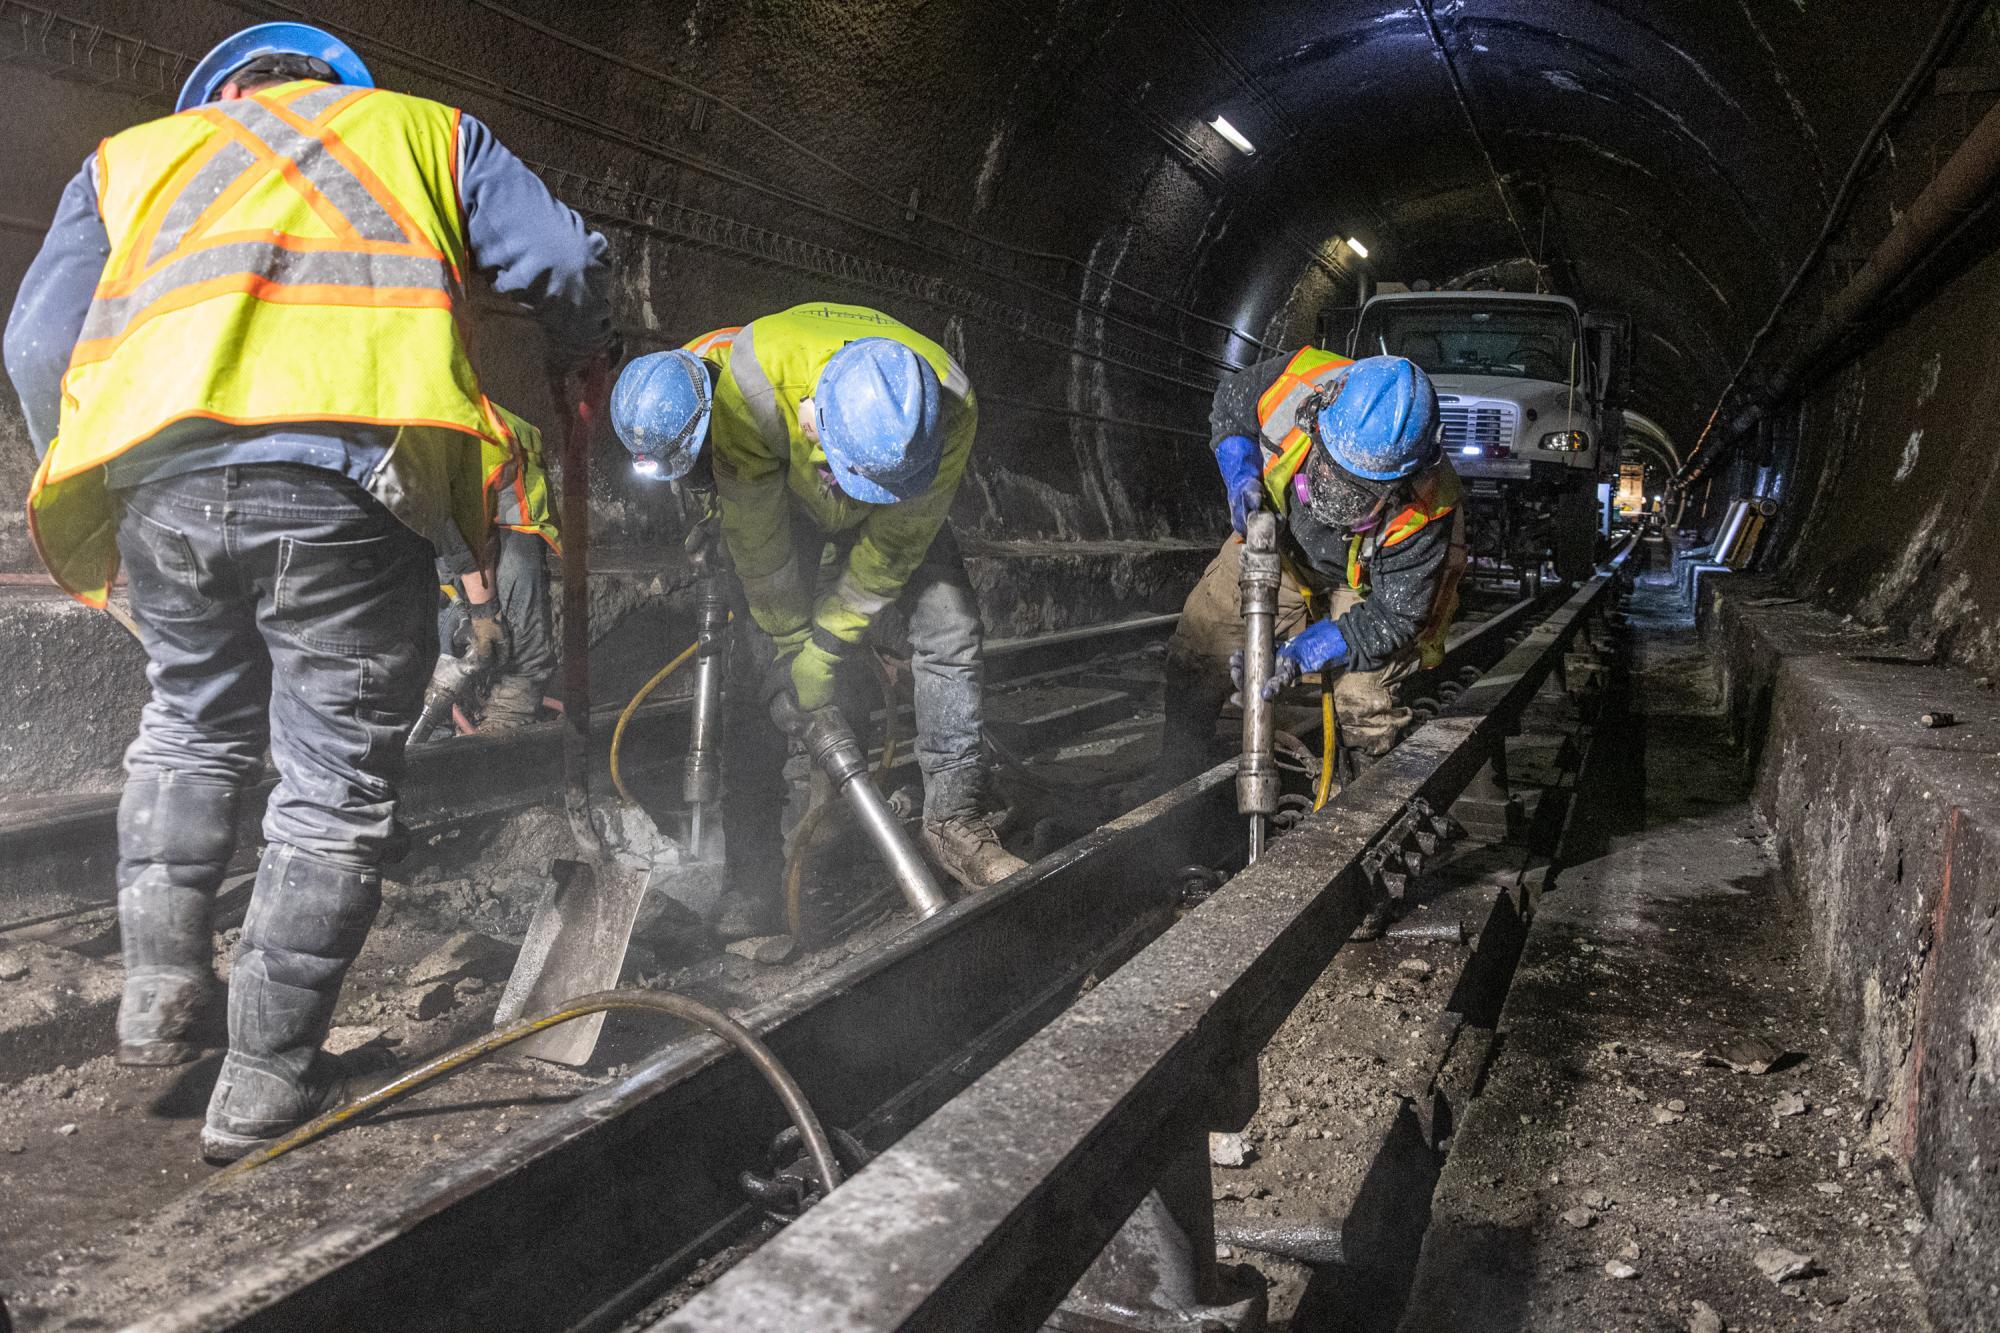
242, 576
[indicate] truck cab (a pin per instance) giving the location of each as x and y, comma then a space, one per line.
1528, 393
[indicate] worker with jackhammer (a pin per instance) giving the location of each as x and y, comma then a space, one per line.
509, 602
245, 334
1348, 455
839, 438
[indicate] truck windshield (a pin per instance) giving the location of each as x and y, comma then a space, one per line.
1531, 340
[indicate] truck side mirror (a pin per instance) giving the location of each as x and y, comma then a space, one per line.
1609, 337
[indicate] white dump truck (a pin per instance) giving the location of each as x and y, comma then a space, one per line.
1532, 397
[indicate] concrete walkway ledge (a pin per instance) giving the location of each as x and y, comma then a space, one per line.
1889, 835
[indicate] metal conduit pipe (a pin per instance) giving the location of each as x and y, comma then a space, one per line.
1961, 184
1947, 32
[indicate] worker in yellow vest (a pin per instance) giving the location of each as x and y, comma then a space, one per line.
242, 350
839, 438
1347, 454
516, 588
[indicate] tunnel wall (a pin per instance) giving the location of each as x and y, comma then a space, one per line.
1898, 456
951, 165
947, 164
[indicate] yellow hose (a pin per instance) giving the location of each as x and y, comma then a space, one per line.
1329, 732
618, 732
811, 1133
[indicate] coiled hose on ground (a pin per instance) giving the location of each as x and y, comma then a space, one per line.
818, 1147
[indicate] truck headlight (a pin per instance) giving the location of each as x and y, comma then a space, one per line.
1566, 441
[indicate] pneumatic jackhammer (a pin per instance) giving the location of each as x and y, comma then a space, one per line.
701, 774
832, 745
1257, 769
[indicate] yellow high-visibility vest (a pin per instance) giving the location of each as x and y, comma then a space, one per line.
1433, 497
522, 502
294, 256
1285, 442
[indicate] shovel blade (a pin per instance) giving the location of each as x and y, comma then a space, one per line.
575, 944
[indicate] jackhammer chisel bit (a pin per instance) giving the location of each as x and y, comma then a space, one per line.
1257, 770
831, 744
701, 778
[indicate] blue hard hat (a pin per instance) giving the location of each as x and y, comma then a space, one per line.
272, 39
659, 408
880, 410
1379, 420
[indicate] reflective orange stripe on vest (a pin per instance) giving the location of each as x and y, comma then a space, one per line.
1285, 442
376, 255
1434, 497
709, 342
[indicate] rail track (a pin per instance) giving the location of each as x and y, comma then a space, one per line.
605, 1210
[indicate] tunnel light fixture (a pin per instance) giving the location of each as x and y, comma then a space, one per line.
1222, 127
1357, 247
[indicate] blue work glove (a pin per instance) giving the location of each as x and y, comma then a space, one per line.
1238, 457
1318, 647
812, 676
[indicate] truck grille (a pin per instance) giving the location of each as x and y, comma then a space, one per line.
1480, 425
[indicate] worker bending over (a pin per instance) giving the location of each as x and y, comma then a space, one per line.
840, 436
244, 333
507, 604
1347, 454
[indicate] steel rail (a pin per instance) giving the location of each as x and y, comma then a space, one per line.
987, 1213
57, 857
625, 1190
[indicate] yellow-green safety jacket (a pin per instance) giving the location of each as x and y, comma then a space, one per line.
244, 289
522, 503
767, 473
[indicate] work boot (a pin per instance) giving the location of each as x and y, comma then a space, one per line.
306, 923
174, 842
744, 915
513, 702
969, 850
273, 1104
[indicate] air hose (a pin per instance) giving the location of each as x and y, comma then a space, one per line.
1329, 732
618, 732
811, 1133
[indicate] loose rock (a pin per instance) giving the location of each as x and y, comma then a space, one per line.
463, 955
13, 966
1580, 1218
66, 1130
1619, 1270
1747, 1054
341, 1040
1229, 1150
1782, 1265
1704, 1319
1791, 1103
1414, 967
428, 1002
766, 949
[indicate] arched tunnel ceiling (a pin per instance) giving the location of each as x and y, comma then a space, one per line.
1669, 161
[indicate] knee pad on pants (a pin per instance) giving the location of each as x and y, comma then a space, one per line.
187, 827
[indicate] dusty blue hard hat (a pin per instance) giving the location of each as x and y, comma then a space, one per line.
272, 39
880, 416
1379, 421
659, 408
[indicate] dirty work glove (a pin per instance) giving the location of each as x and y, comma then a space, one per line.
1237, 456
778, 675
813, 671
488, 649
1318, 647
